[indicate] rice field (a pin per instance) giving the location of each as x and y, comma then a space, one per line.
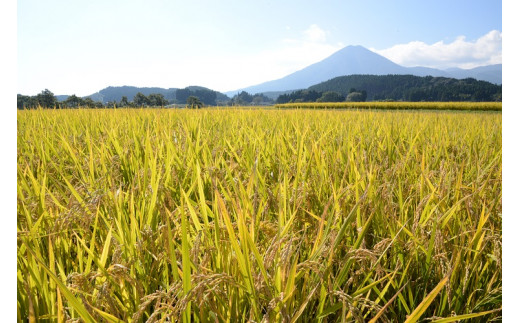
232, 215
437, 106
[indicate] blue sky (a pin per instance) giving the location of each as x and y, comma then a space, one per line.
80, 47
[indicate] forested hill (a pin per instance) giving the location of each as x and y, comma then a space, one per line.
412, 88
115, 93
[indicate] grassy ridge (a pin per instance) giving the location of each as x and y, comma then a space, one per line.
462, 106
258, 215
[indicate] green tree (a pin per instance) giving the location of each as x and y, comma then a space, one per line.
25, 101
193, 102
299, 96
46, 99
73, 101
331, 96
157, 99
112, 104
245, 97
88, 102
357, 96
242, 98
141, 99
124, 101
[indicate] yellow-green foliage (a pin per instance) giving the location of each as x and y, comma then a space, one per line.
234, 215
466, 106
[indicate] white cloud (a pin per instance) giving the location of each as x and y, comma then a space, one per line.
315, 34
460, 53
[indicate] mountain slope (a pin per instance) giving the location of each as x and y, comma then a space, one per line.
490, 73
359, 60
349, 60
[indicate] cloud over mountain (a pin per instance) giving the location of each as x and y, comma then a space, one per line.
486, 50
315, 34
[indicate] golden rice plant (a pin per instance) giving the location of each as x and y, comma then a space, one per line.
132, 215
439, 106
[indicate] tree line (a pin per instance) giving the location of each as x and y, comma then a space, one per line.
245, 98
353, 95
47, 99
195, 98
414, 88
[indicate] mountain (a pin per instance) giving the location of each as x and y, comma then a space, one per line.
220, 96
359, 60
490, 73
115, 93
61, 98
